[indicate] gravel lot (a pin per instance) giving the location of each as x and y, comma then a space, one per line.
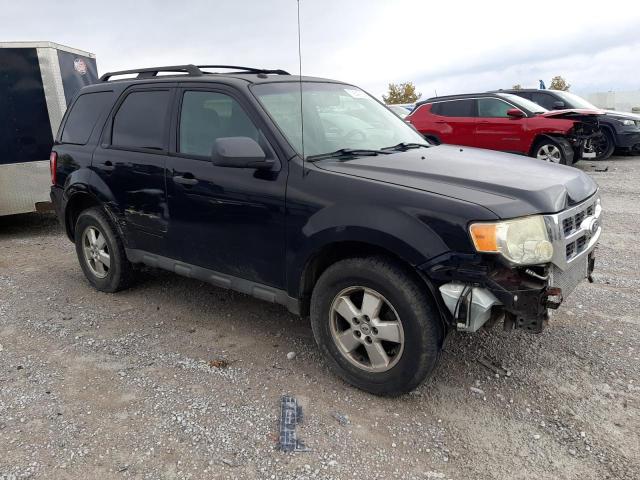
95, 385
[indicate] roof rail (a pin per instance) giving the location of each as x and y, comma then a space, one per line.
190, 70
247, 69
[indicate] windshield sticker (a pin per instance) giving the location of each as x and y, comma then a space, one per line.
356, 93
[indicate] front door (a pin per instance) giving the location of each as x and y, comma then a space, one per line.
131, 162
226, 219
496, 130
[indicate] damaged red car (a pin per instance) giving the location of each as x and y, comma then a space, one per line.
501, 121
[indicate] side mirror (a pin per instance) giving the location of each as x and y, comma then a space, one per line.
515, 113
558, 105
239, 152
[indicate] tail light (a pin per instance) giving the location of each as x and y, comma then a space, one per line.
53, 166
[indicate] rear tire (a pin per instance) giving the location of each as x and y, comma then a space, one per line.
387, 340
549, 150
101, 252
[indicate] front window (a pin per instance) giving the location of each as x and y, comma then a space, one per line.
335, 116
574, 101
207, 116
493, 107
524, 103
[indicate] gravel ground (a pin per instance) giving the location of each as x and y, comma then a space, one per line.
129, 385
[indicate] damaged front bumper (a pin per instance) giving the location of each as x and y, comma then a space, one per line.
478, 289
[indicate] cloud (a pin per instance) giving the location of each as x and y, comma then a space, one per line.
450, 47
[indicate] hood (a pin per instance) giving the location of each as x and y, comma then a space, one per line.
571, 112
508, 185
623, 115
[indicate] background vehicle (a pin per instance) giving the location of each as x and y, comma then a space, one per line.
385, 242
500, 121
399, 110
37, 82
617, 129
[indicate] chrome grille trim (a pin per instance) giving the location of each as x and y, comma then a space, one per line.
570, 231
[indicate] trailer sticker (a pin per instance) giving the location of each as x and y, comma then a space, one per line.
80, 66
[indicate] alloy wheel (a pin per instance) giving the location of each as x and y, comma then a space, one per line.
549, 153
366, 329
96, 252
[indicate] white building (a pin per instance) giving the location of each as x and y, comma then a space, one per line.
621, 101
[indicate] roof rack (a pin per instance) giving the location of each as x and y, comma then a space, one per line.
247, 69
190, 70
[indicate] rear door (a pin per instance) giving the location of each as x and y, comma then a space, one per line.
495, 130
131, 162
455, 121
230, 220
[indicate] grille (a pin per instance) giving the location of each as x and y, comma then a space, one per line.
570, 278
571, 225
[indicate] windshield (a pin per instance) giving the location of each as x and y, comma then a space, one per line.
524, 103
574, 101
336, 116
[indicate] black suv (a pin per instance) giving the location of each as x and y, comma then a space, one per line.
312, 194
618, 129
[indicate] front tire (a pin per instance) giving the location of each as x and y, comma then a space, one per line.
101, 252
376, 325
548, 150
603, 145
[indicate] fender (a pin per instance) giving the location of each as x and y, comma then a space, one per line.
85, 182
390, 229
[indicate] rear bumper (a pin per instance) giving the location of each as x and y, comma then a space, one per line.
57, 198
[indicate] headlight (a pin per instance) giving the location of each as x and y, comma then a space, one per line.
523, 240
627, 122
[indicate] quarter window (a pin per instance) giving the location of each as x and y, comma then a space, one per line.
493, 107
207, 116
83, 117
454, 108
141, 120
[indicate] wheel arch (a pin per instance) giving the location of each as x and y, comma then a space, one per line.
540, 137
330, 253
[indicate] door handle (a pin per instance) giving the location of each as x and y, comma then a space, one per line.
187, 179
107, 166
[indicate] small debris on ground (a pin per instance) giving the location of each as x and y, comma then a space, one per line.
479, 391
220, 363
290, 417
342, 419
291, 355
494, 367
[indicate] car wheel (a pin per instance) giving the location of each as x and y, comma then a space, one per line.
101, 252
603, 145
376, 325
549, 151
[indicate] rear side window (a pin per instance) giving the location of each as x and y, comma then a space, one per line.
83, 117
141, 120
454, 108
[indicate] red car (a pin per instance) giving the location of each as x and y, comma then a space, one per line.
501, 121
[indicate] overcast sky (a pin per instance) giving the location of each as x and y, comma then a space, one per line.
448, 47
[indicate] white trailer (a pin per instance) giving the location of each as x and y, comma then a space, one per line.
38, 80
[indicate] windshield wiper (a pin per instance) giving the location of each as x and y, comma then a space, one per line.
404, 146
347, 152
